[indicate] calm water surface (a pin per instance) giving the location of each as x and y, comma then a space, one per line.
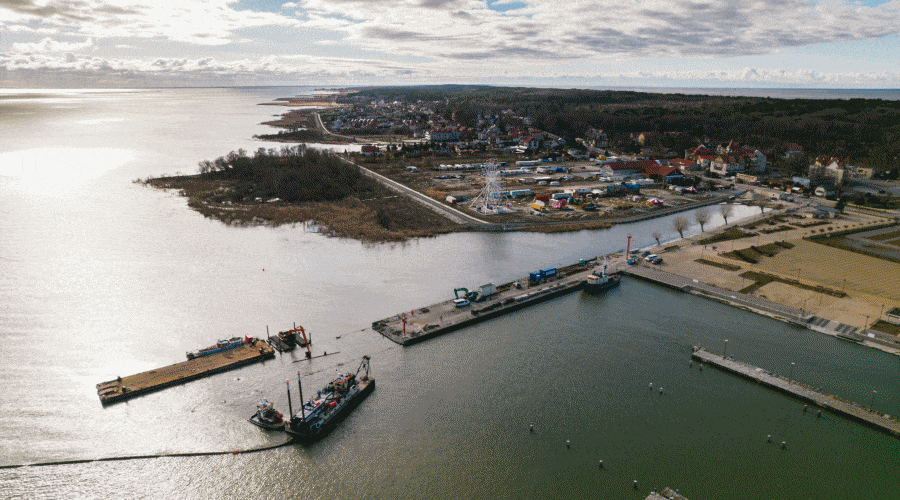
102, 277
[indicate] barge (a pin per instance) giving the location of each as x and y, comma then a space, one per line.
318, 416
445, 317
123, 388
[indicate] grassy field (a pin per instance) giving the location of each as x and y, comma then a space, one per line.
836, 268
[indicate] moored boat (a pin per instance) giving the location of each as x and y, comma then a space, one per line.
598, 283
222, 345
267, 416
318, 416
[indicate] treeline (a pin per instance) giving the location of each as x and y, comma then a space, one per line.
867, 131
293, 174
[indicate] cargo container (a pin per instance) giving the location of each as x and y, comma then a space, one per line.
548, 272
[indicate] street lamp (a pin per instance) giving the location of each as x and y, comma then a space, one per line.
792, 372
865, 325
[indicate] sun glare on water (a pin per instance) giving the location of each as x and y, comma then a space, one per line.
56, 170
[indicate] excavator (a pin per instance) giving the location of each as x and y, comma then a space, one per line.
471, 296
297, 335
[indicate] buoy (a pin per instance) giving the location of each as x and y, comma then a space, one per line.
635, 484
660, 390
531, 428
701, 368
692, 364
819, 414
769, 438
651, 385
804, 408
568, 445
783, 445
601, 464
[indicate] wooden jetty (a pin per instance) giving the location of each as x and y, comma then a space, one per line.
123, 388
853, 411
438, 319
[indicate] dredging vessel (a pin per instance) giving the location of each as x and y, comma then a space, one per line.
319, 416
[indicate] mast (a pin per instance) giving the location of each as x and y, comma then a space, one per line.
300, 388
290, 409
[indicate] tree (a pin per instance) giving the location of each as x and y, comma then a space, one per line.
657, 235
702, 216
680, 224
725, 211
841, 204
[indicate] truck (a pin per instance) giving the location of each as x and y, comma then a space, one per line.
543, 274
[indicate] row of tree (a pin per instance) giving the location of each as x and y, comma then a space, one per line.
295, 174
865, 130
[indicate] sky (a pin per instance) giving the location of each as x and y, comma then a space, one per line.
572, 43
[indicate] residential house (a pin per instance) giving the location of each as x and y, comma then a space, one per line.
726, 165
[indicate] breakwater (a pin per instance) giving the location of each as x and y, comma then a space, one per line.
849, 409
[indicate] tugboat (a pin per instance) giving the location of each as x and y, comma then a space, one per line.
222, 345
267, 416
319, 416
601, 283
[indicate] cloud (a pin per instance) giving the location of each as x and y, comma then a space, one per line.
588, 28
48, 45
199, 22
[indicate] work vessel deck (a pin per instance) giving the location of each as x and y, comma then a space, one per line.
444, 317
123, 388
831, 402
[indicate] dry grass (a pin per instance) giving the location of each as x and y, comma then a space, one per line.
832, 266
388, 217
720, 265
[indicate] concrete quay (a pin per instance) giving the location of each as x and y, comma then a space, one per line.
848, 409
751, 302
444, 317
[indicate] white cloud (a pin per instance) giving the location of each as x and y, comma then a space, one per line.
438, 40
49, 45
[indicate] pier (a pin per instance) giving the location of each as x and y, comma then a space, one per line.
123, 388
853, 411
438, 319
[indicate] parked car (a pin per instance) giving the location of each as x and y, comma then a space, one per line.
460, 302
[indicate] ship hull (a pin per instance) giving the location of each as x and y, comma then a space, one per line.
306, 437
596, 288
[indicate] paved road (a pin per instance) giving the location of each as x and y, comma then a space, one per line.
445, 210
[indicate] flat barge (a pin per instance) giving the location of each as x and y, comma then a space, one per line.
445, 317
853, 411
123, 388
